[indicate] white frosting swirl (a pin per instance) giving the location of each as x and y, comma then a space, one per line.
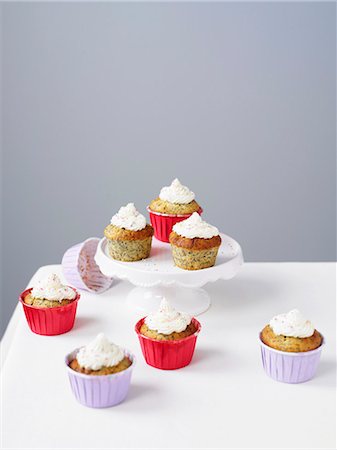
292, 324
195, 227
176, 193
167, 320
129, 218
99, 353
51, 288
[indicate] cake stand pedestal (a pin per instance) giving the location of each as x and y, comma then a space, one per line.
157, 277
192, 300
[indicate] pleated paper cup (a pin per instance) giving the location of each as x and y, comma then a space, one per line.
99, 391
163, 223
290, 367
50, 321
168, 355
81, 270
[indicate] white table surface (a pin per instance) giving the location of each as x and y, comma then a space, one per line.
222, 400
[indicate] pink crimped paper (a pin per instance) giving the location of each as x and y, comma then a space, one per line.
81, 270
289, 367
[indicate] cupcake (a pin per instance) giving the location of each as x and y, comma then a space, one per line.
129, 236
50, 307
100, 373
290, 348
194, 243
168, 337
174, 204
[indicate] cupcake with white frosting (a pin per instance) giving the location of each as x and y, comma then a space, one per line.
291, 347
129, 236
50, 306
167, 324
291, 332
100, 373
168, 337
50, 293
194, 243
175, 203
175, 199
100, 357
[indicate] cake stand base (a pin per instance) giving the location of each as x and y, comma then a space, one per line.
194, 301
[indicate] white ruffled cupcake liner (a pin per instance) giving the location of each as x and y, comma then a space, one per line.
81, 270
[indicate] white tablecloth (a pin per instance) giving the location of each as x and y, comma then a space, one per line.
223, 399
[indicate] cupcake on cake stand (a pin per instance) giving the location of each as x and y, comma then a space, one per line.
120, 253
157, 276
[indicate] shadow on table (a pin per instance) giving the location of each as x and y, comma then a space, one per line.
326, 372
208, 356
139, 390
83, 321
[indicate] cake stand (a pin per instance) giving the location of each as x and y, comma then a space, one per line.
157, 277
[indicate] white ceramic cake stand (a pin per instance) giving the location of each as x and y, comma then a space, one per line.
157, 277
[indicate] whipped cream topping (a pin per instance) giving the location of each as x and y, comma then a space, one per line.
51, 288
129, 218
195, 227
99, 353
176, 193
167, 320
292, 324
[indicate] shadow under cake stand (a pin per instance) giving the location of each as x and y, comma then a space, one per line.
157, 276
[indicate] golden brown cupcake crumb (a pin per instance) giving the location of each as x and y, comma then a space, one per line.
44, 303
289, 343
123, 365
194, 259
195, 243
145, 331
196, 253
126, 245
122, 234
165, 207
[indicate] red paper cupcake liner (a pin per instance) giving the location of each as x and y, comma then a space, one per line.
168, 355
50, 321
163, 223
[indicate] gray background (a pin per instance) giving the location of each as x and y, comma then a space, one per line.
104, 104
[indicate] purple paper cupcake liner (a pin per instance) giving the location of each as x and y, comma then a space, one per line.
99, 391
289, 367
81, 270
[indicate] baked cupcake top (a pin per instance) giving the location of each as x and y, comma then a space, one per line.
195, 227
175, 199
176, 193
167, 320
129, 218
99, 353
292, 324
291, 332
51, 288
